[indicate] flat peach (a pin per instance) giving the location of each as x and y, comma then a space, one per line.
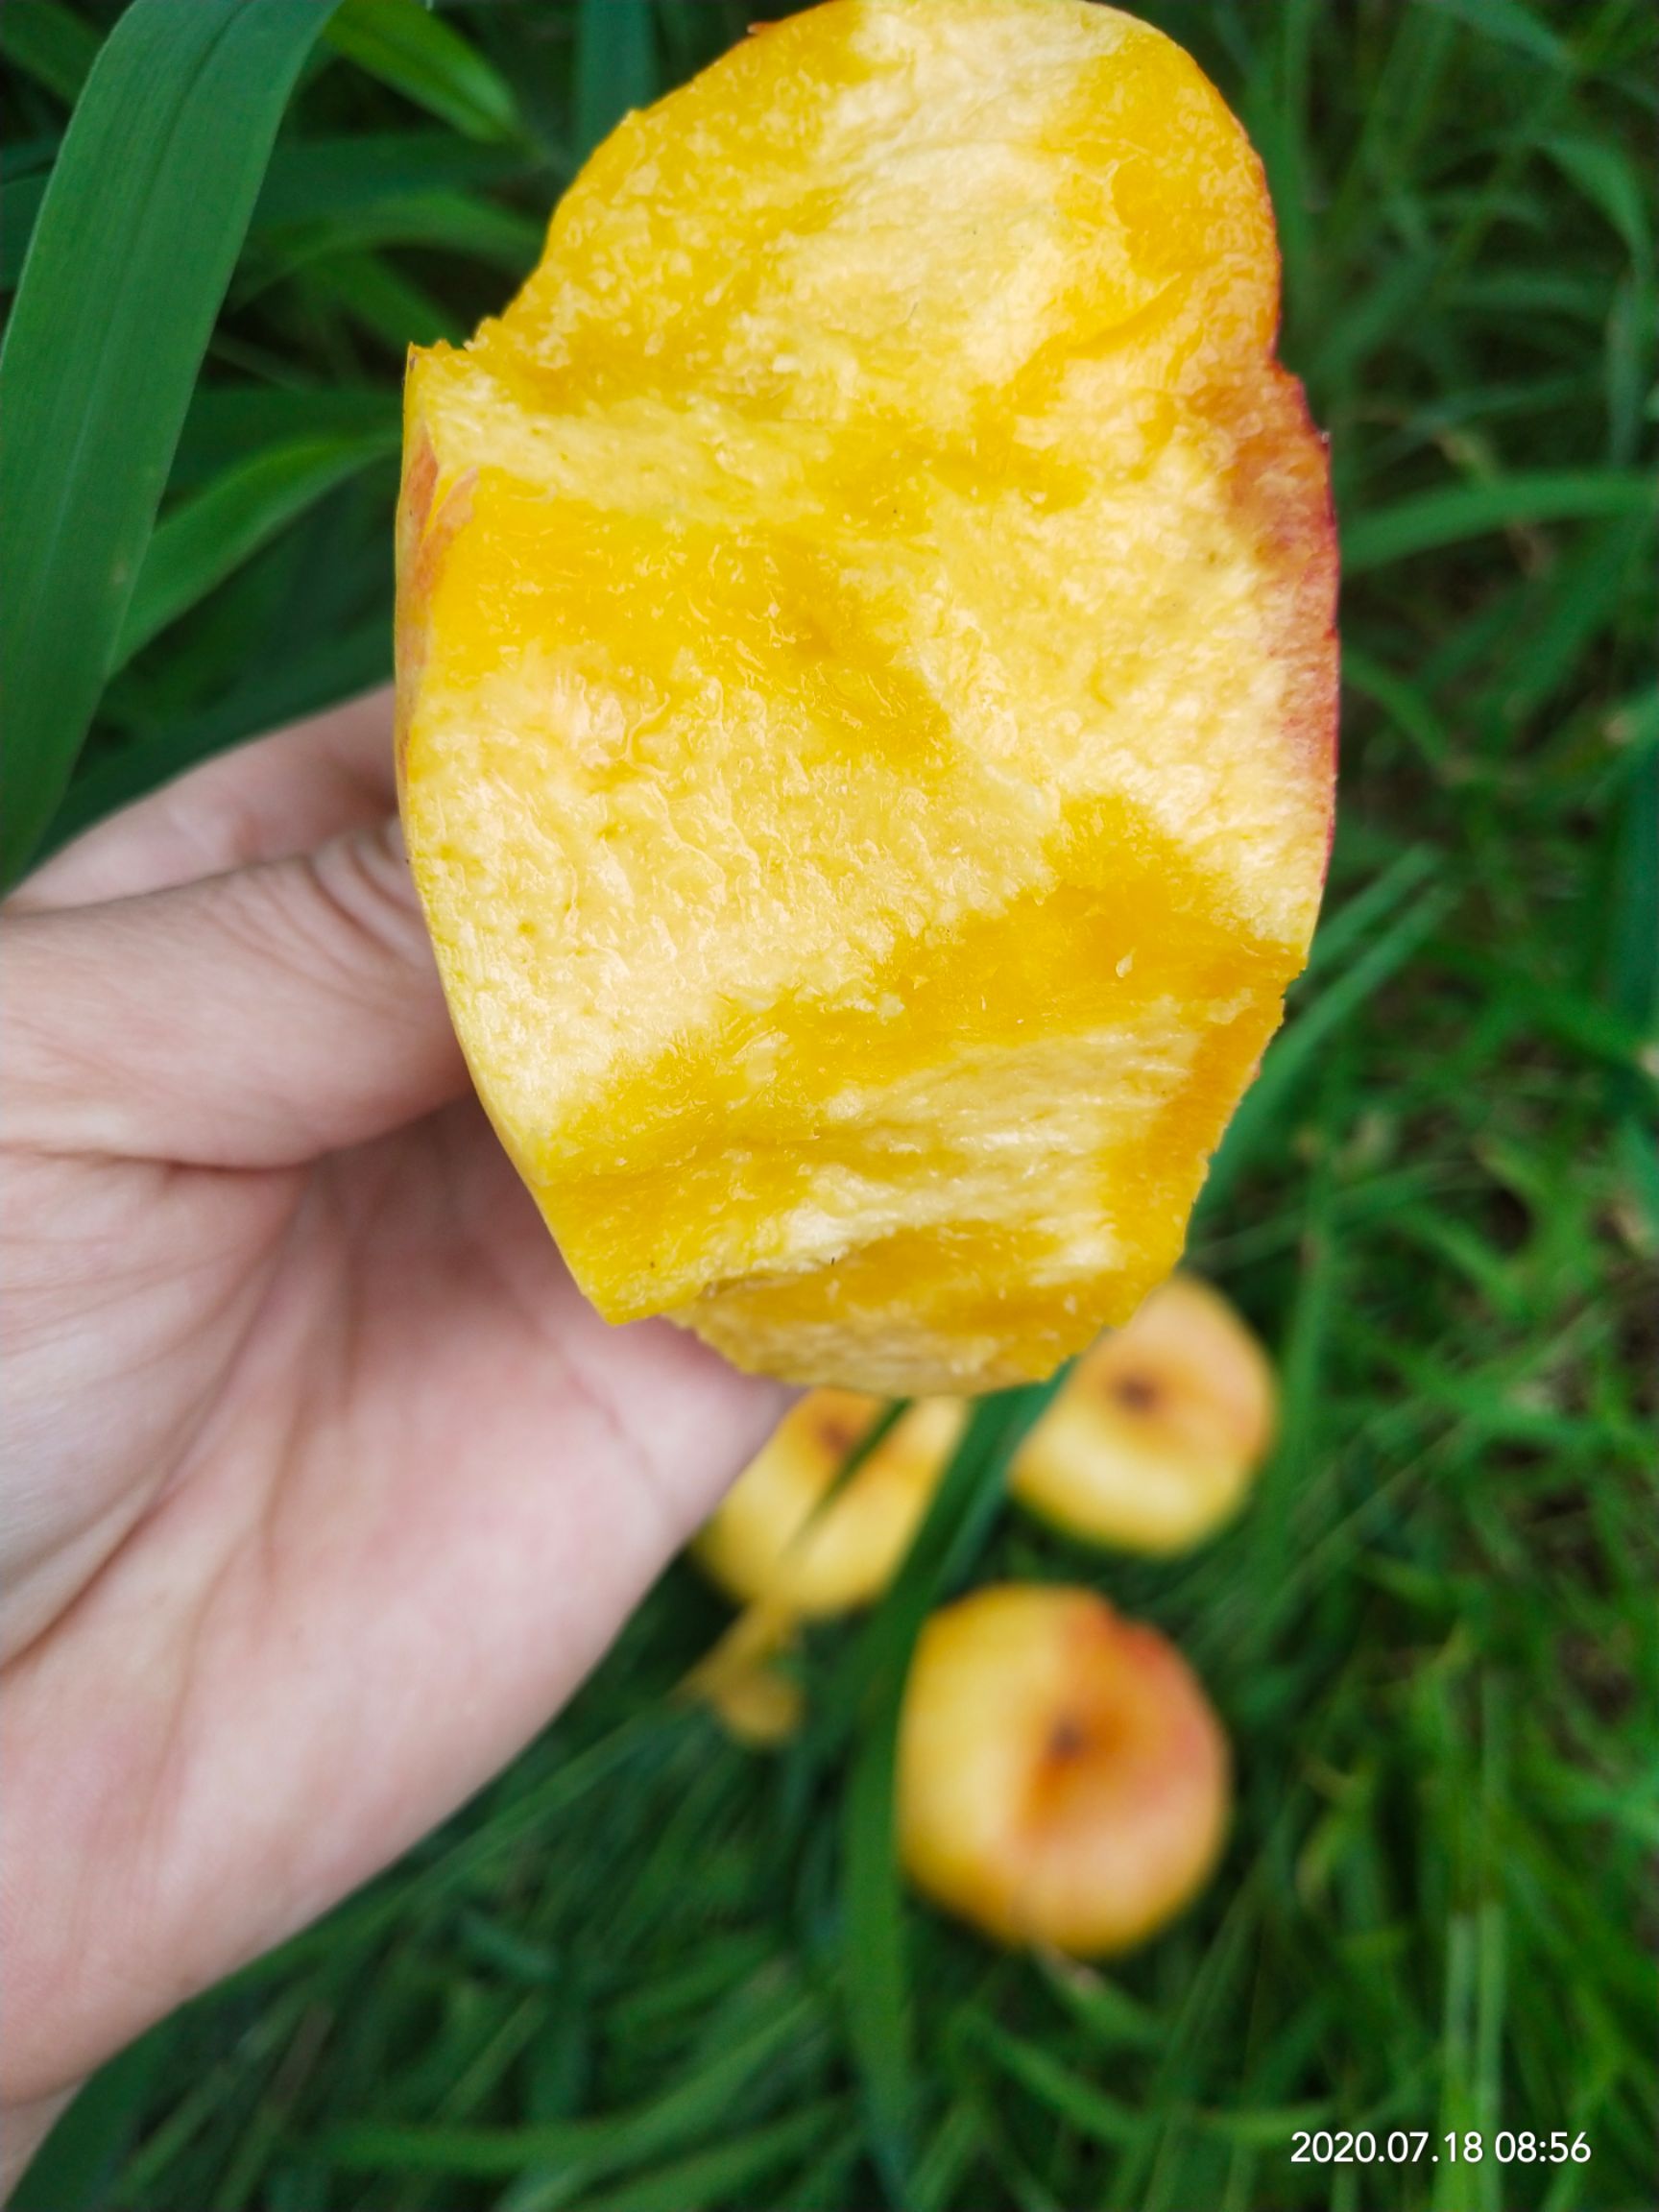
1152, 1442
757, 1702
1062, 1777
788, 1539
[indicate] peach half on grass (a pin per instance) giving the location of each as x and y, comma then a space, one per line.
866, 689
787, 1540
758, 1701
1063, 1780
1151, 1442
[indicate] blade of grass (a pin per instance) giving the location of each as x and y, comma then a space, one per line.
963, 1511
876, 1966
448, 221
223, 525
315, 179
615, 67
384, 302
338, 668
1105, 2011
1274, 110
1528, 295
583, 2150
1074, 2101
106, 337
73, 2169
1292, 1053
875, 1975
1605, 174
50, 43
1343, 934
1407, 703
1580, 598
234, 423
426, 58
713, 2178
1627, 366
1463, 511
19, 213
1511, 24
1584, 1025
1632, 983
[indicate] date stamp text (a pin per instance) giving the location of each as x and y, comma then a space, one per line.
1456, 2146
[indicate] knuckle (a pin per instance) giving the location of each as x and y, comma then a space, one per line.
362, 899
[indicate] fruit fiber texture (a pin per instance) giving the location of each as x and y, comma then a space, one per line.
867, 688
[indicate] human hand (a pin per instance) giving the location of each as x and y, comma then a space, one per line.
325, 1486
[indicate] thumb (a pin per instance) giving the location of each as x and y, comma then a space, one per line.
252, 1020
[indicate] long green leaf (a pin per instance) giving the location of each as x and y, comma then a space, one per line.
1632, 979
19, 211
111, 322
1608, 178
72, 2170
589, 2149
1292, 1053
317, 179
1586, 1024
429, 63
1510, 24
231, 423
1344, 935
339, 667
1406, 703
708, 2178
878, 2007
1054, 2085
452, 222
383, 301
212, 534
870, 1685
1465, 511
615, 66
1580, 599
50, 43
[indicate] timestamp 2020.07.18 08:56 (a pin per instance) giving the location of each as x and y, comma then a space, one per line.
1413, 2146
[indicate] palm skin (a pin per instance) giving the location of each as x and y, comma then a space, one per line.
327, 1487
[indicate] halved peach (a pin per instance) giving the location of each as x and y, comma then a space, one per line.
866, 689
1062, 1779
783, 1541
1151, 1443
756, 1701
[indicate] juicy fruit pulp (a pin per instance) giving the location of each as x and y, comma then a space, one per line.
867, 688
1062, 1778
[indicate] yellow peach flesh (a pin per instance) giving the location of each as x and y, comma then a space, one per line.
866, 688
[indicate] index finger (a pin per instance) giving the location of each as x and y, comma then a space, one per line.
267, 800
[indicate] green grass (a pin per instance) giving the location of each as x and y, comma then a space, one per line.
647, 1969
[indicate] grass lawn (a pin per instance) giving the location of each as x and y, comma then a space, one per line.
650, 1972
